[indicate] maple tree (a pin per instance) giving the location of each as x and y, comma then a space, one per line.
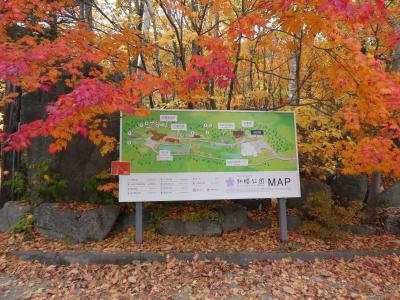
335, 62
330, 59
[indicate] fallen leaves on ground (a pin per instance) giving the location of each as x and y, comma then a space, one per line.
265, 240
291, 279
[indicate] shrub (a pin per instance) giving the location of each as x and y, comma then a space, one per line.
324, 222
185, 213
43, 184
102, 188
157, 216
201, 214
25, 225
17, 184
326, 219
352, 214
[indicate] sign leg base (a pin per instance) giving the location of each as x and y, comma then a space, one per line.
139, 222
283, 220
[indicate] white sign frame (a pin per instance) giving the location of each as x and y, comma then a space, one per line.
146, 187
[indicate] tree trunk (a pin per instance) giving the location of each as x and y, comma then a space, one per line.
373, 190
293, 99
376, 177
294, 83
235, 68
85, 12
271, 63
211, 82
395, 64
10, 162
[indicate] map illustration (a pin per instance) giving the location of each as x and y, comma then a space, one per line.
209, 141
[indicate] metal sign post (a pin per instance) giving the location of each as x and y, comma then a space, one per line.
139, 222
283, 220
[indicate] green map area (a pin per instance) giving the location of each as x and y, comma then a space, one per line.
209, 141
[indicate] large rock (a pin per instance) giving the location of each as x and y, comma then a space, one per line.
75, 226
318, 172
392, 224
128, 219
391, 196
308, 186
349, 188
81, 159
253, 204
361, 230
233, 217
200, 228
258, 224
12, 213
294, 222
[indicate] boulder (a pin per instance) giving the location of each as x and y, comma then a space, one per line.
11, 213
392, 224
391, 196
128, 219
349, 188
233, 217
258, 224
191, 228
253, 204
308, 186
294, 222
361, 230
321, 173
75, 226
81, 159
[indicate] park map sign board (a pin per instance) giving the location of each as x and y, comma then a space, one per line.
206, 155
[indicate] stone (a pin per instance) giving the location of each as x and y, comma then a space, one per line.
11, 213
233, 217
294, 222
203, 228
128, 219
391, 196
308, 186
258, 224
81, 160
75, 226
238, 258
200, 228
321, 173
349, 188
86, 258
392, 224
361, 230
253, 204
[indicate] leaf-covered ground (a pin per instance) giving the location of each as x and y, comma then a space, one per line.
291, 279
261, 241
360, 278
